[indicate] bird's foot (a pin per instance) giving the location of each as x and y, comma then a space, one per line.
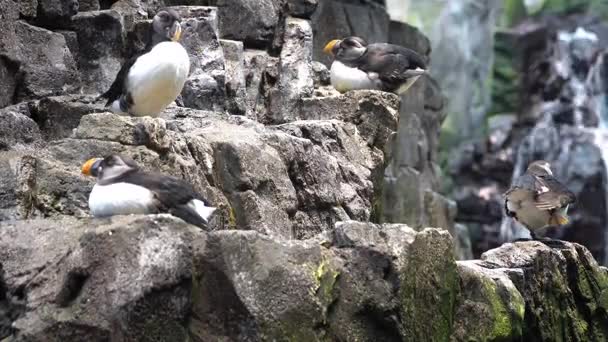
553, 243
523, 240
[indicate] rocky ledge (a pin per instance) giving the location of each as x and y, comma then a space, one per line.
156, 278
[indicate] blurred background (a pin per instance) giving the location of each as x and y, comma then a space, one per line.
524, 80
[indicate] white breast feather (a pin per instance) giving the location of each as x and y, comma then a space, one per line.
120, 199
345, 78
156, 78
202, 210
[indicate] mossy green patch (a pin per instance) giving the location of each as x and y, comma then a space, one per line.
429, 287
325, 279
231, 218
505, 326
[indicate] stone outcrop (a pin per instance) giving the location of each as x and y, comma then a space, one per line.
141, 277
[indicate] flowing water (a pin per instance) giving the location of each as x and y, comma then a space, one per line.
572, 131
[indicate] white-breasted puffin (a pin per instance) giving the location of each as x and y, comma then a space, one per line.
537, 200
379, 66
122, 189
148, 82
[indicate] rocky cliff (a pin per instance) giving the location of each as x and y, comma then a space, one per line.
298, 171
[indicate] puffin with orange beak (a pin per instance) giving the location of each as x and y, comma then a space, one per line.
380, 66
148, 82
123, 188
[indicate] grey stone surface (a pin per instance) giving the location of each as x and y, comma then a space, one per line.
56, 13
302, 8
123, 278
295, 72
253, 22
236, 88
101, 42
16, 128
46, 66
205, 86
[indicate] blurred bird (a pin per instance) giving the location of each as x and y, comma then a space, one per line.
122, 189
148, 82
380, 66
537, 200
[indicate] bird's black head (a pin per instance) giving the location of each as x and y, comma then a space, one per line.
540, 168
110, 167
166, 26
346, 50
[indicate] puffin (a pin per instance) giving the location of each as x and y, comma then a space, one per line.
122, 188
537, 200
379, 66
151, 80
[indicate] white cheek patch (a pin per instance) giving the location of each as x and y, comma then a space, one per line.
544, 189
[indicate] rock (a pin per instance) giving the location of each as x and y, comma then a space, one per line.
112, 277
429, 287
254, 178
101, 47
9, 77
250, 21
16, 128
205, 86
493, 308
57, 116
409, 36
302, 8
359, 281
295, 70
137, 9
577, 283
334, 19
89, 5
261, 74
236, 91
413, 168
321, 75
290, 181
374, 112
26, 8
56, 13
37, 50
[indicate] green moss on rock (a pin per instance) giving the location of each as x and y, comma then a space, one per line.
429, 287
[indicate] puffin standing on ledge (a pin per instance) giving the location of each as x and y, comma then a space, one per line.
122, 189
378, 66
148, 82
537, 200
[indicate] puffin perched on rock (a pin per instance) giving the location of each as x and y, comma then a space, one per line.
148, 82
122, 189
380, 66
537, 200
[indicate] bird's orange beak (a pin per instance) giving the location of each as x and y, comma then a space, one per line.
330, 46
88, 165
177, 34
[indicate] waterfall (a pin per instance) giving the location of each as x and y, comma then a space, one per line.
572, 130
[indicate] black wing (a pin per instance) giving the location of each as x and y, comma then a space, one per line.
172, 195
118, 87
391, 63
170, 191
